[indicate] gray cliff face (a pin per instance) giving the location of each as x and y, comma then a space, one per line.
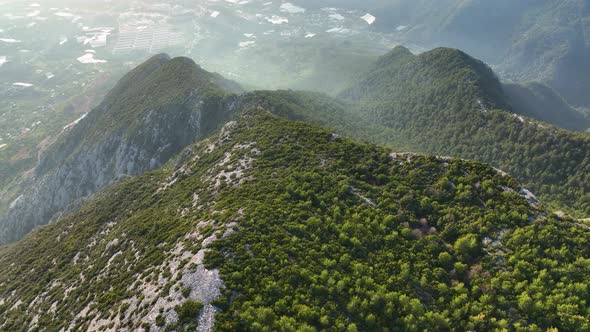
79, 167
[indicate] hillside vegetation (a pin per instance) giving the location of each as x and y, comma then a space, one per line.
279, 225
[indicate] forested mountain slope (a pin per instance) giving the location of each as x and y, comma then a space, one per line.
150, 115
445, 102
279, 225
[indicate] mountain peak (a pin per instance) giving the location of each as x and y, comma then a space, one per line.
441, 68
455, 57
448, 50
397, 54
156, 60
399, 50
154, 86
139, 73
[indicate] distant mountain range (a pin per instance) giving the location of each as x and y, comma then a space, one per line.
545, 41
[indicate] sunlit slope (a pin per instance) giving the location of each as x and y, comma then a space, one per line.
301, 230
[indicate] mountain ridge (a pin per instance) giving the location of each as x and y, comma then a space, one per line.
249, 225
